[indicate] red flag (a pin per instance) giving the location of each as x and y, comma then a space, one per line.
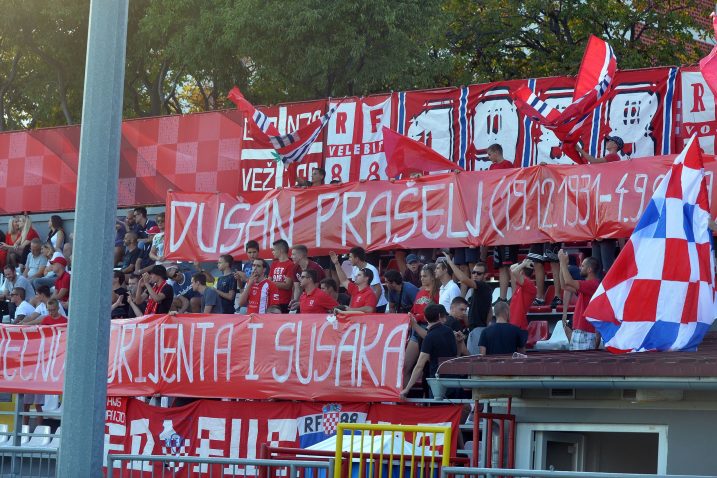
405, 156
708, 64
595, 76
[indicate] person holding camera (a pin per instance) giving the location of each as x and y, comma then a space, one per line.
524, 292
401, 294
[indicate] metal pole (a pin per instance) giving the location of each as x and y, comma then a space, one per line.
85, 390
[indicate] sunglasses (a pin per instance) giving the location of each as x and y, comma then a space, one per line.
478, 273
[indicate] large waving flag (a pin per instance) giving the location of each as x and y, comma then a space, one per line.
708, 64
405, 156
291, 147
660, 292
595, 76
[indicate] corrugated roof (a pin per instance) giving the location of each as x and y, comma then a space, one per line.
594, 363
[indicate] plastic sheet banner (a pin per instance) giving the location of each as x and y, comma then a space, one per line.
292, 357
199, 152
213, 429
519, 206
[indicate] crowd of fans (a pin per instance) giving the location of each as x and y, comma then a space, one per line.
447, 294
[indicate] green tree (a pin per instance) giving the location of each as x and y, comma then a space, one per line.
504, 39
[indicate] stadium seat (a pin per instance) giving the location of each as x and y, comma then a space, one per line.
52, 403
39, 441
4, 439
544, 309
537, 331
557, 341
55, 443
25, 438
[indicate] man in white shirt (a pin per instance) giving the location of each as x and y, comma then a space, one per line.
449, 289
357, 256
36, 261
22, 307
42, 295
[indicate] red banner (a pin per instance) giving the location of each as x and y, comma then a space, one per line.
520, 206
213, 429
313, 357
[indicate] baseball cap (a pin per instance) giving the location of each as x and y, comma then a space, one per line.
59, 260
153, 230
411, 258
617, 140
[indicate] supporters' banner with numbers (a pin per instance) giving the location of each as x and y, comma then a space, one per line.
211, 429
517, 206
313, 357
354, 139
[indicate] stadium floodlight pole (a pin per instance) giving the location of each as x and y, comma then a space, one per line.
85, 390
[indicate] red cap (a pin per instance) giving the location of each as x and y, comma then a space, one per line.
59, 260
153, 230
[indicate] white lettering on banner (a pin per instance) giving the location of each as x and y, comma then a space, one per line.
259, 179
474, 228
303, 351
209, 429
450, 232
139, 431
116, 431
385, 218
346, 216
322, 217
43, 357
174, 245
267, 216
229, 225
254, 327
427, 213
400, 216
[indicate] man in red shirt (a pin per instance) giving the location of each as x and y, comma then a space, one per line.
495, 156
583, 335
314, 300
54, 317
259, 293
507, 255
524, 294
363, 298
282, 274
62, 284
300, 258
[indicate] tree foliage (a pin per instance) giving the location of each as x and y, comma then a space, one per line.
184, 55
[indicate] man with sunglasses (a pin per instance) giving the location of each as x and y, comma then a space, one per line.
260, 293
313, 300
480, 312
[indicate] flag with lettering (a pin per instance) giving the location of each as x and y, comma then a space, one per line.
659, 295
708, 64
596, 73
405, 156
291, 147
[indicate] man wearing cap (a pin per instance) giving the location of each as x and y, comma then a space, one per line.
412, 273
62, 284
613, 144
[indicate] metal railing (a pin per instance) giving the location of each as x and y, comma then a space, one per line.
457, 472
163, 466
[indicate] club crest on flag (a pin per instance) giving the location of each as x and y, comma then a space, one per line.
659, 294
330, 415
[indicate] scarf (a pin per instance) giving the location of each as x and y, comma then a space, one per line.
151, 303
